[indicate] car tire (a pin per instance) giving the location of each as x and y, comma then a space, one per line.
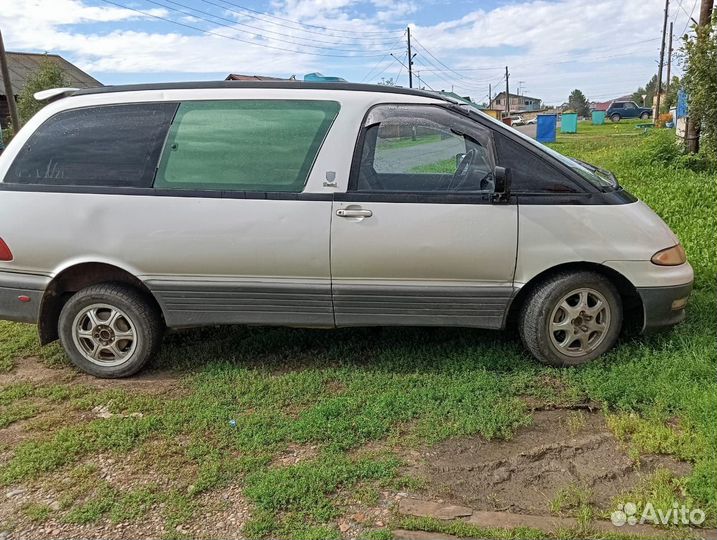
644, 116
571, 318
110, 330
615, 118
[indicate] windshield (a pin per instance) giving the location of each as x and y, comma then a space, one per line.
600, 178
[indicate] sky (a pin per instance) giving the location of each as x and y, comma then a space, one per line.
606, 48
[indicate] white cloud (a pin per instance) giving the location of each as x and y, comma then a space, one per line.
554, 46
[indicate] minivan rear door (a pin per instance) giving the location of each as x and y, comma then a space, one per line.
240, 241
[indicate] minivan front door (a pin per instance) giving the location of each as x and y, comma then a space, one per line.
417, 238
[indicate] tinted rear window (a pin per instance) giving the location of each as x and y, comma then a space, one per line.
110, 146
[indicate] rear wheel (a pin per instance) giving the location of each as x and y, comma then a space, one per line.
644, 116
615, 118
109, 330
571, 318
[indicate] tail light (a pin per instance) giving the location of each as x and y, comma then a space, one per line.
5, 253
671, 256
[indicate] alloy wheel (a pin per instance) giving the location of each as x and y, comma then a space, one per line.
579, 322
104, 334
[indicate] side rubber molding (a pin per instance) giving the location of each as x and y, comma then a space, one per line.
21, 296
663, 306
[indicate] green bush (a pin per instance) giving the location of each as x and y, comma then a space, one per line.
660, 148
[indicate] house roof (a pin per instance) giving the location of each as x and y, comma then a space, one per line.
500, 94
22, 66
603, 105
241, 77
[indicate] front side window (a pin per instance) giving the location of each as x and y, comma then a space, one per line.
105, 146
630, 106
530, 173
423, 148
248, 145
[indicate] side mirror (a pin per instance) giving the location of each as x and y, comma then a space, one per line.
459, 158
502, 183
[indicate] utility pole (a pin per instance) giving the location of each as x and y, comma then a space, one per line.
15, 119
669, 63
705, 12
693, 127
410, 58
662, 61
507, 93
490, 96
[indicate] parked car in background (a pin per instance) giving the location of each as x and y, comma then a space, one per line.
617, 110
516, 120
531, 121
128, 210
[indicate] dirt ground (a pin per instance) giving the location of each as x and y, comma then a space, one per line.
32, 370
561, 448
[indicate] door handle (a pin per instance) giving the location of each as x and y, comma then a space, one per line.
353, 213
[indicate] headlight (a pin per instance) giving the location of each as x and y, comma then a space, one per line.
671, 256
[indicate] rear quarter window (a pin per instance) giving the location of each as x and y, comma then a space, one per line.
244, 145
108, 146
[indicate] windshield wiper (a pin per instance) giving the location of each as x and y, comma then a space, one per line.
604, 174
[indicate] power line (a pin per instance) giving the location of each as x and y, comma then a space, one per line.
438, 72
261, 31
311, 32
400, 69
299, 23
496, 68
376, 66
235, 24
434, 57
689, 18
388, 65
209, 32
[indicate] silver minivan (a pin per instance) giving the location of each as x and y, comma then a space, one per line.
127, 210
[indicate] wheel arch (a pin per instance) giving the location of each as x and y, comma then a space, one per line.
633, 314
74, 278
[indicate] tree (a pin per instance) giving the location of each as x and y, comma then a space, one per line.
49, 75
579, 103
386, 82
648, 90
699, 55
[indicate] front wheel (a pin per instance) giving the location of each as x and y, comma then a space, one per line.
109, 330
644, 116
571, 318
615, 118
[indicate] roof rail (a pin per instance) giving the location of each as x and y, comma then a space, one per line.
54, 93
283, 84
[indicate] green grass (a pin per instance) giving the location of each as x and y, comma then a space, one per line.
16, 340
444, 166
404, 142
354, 398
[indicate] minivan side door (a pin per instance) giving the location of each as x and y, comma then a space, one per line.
417, 239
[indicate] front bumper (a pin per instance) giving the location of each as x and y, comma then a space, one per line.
663, 306
13, 286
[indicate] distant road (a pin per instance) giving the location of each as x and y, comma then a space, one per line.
529, 130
